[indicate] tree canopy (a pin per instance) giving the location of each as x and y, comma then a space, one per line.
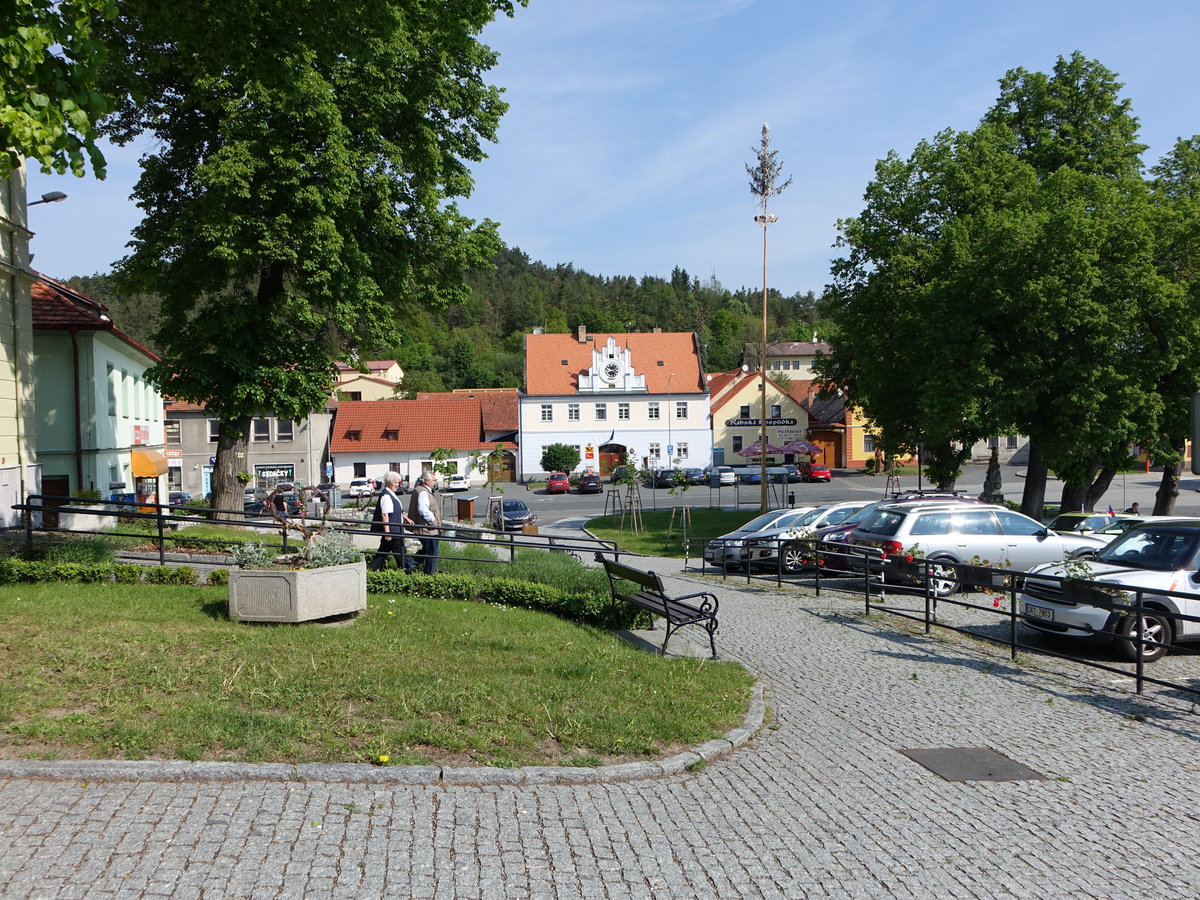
299, 192
49, 106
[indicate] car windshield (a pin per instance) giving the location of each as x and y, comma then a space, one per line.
766, 520
515, 506
1159, 548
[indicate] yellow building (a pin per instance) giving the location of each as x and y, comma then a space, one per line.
737, 417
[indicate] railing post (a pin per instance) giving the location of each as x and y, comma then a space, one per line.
1139, 621
162, 544
28, 513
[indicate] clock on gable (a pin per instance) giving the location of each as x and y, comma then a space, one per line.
611, 371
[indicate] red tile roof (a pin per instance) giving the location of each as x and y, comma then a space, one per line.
59, 307
450, 421
656, 355
725, 386
498, 406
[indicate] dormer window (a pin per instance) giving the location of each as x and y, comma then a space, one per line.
391, 434
354, 435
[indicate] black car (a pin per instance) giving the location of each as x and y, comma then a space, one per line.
515, 514
590, 484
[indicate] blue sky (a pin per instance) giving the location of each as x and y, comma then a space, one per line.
631, 122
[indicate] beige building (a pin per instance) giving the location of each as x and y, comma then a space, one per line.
737, 417
792, 359
20, 473
379, 382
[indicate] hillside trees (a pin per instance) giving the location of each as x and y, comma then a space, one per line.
299, 189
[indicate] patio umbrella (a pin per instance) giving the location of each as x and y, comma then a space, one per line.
802, 447
756, 448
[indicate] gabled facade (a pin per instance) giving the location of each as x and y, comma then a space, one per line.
100, 423
608, 394
737, 417
20, 474
373, 437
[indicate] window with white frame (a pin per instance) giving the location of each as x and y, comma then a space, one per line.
744, 411
652, 410
681, 409
623, 411
284, 429
1011, 442
601, 412
214, 430
547, 412
260, 432
993, 443
737, 443
869, 443
681, 450
655, 452
572, 412
112, 391
776, 410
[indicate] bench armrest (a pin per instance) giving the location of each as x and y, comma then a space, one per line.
710, 602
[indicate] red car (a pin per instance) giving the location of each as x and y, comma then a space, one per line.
558, 483
815, 472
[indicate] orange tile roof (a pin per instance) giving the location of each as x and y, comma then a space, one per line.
455, 422
498, 406
730, 383
654, 355
58, 306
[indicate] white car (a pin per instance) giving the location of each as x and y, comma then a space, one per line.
796, 556
756, 541
725, 474
1155, 557
361, 487
457, 483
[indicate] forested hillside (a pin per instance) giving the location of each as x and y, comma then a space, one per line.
479, 343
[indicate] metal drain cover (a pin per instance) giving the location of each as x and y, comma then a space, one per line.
972, 764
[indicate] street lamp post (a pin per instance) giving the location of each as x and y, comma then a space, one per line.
51, 197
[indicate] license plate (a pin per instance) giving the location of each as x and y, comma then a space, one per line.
1038, 612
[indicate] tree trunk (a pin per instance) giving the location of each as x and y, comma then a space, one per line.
227, 489
1100, 485
1033, 497
1168, 488
1074, 497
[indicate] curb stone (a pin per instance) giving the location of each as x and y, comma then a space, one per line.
365, 773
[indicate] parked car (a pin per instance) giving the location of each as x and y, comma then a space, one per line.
514, 515
457, 482
1094, 523
832, 541
755, 541
815, 472
796, 555
725, 474
694, 476
178, 498
619, 472
793, 473
558, 483
950, 533
1161, 554
361, 487
590, 484
663, 478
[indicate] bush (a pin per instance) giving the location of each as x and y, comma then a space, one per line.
127, 573
218, 578
170, 575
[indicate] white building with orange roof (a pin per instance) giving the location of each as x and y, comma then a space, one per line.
608, 394
371, 437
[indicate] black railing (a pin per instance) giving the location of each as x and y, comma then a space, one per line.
167, 520
865, 572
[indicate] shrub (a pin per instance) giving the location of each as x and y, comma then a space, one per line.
252, 555
218, 578
170, 575
127, 573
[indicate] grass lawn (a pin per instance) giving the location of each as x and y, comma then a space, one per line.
652, 540
112, 671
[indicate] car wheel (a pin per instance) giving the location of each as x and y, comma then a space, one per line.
943, 577
1156, 626
795, 558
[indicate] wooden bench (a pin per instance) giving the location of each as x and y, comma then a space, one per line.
650, 595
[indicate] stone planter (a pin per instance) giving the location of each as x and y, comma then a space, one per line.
297, 595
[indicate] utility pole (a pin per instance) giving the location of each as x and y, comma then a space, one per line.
764, 184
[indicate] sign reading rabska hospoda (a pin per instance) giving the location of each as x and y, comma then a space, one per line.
748, 423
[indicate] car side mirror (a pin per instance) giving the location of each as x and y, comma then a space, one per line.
1195, 578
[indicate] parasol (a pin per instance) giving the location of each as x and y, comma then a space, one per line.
802, 447
756, 448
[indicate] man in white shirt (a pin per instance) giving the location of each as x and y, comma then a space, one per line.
387, 521
423, 513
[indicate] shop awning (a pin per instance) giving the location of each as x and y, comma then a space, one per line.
148, 463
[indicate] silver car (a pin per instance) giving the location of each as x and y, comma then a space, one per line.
947, 534
733, 550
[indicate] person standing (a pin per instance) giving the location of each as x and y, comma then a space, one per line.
388, 522
423, 513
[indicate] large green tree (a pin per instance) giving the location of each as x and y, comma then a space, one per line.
49, 55
298, 193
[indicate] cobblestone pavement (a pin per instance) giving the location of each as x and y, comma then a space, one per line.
820, 803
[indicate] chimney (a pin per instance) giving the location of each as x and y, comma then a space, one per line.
582, 335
